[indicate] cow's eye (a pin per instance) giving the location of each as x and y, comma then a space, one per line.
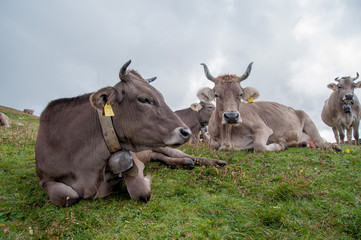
143, 100
240, 95
338, 86
216, 95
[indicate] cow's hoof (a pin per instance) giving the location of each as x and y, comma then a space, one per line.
185, 163
284, 146
336, 147
188, 164
221, 163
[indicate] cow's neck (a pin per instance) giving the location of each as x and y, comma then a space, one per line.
109, 133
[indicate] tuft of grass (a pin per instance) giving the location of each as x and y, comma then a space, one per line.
294, 194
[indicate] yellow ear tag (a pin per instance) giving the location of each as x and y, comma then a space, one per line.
108, 110
196, 108
250, 100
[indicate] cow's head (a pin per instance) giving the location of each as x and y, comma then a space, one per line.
142, 120
228, 94
345, 88
204, 111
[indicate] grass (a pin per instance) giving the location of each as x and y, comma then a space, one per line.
294, 194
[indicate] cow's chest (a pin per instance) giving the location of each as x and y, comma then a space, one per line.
238, 137
346, 120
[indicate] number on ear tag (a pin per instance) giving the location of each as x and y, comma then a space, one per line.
108, 110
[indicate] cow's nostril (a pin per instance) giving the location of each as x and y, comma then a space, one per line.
186, 133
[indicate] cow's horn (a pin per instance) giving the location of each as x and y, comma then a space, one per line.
123, 70
336, 79
246, 74
356, 76
206, 71
149, 80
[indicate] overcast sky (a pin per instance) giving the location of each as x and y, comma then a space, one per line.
54, 49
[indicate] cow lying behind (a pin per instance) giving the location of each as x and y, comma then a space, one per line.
76, 155
342, 109
262, 126
196, 117
4, 120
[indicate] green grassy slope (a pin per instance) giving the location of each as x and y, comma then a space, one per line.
294, 194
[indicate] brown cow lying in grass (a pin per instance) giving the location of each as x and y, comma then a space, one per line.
262, 126
83, 145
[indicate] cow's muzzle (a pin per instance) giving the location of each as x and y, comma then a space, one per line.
231, 118
348, 97
185, 133
180, 136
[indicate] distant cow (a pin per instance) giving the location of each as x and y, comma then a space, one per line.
196, 117
4, 120
73, 159
342, 110
29, 111
262, 126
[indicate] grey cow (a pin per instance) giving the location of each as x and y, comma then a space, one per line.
262, 126
196, 117
28, 111
341, 110
73, 159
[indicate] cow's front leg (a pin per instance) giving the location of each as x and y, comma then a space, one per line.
175, 153
137, 184
182, 162
341, 133
349, 135
261, 136
60, 194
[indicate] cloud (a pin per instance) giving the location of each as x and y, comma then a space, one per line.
76, 47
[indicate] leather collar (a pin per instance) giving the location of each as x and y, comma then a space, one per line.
109, 134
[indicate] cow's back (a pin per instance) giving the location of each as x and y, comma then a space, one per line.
278, 117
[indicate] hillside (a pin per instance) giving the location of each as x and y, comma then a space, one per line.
294, 194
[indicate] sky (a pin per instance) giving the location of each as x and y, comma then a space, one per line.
56, 49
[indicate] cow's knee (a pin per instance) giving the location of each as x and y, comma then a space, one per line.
139, 187
60, 194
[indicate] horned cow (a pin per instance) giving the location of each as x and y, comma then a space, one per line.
86, 145
262, 126
342, 111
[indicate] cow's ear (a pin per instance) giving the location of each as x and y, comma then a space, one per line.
358, 85
332, 86
206, 94
105, 95
196, 107
250, 93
